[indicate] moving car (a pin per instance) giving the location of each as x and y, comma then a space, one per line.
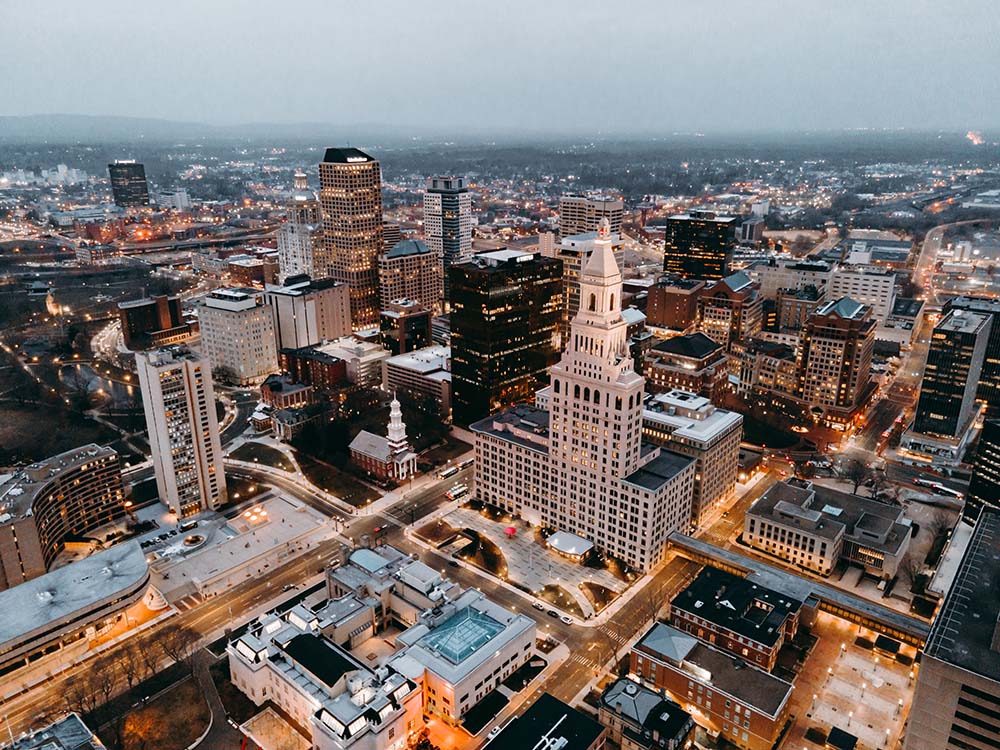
566, 619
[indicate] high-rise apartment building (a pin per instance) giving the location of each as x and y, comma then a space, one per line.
984, 487
301, 250
957, 698
237, 335
411, 270
989, 378
576, 462
730, 310
179, 401
574, 251
699, 245
947, 408
580, 214
506, 307
350, 195
307, 312
128, 184
448, 220
834, 358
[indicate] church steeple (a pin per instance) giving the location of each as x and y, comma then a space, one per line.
396, 435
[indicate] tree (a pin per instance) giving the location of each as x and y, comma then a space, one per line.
81, 696
855, 472
224, 375
177, 643
910, 571
78, 392
880, 483
130, 663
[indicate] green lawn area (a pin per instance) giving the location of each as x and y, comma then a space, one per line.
335, 481
172, 721
253, 452
452, 448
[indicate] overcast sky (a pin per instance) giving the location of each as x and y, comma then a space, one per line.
557, 65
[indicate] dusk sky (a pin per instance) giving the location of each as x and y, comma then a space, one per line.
561, 65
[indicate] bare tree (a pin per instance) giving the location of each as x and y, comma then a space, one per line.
910, 571
130, 664
855, 472
81, 696
880, 483
150, 656
939, 524
177, 643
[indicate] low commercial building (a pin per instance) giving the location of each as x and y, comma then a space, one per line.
281, 392
693, 362
44, 504
728, 697
692, 426
736, 615
363, 359
551, 723
72, 603
638, 718
425, 372
815, 527
69, 733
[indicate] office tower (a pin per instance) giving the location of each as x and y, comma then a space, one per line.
307, 312
951, 375
786, 272
448, 220
699, 245
672, 302
730, 310
128, 184
392, 234
692, 362
574, 252
957, 698
989, 378
506, 307
835, 356
301, 251
54, 501
350, 194
579, 214
869, 285
405, 325
237, 334
152, 322
179, 401
576, 462
984, 487
692, 426
947, 409
411, 270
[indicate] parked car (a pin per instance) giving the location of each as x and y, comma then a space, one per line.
566, 619
539, 606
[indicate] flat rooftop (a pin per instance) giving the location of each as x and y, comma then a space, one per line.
660, 470
18, 493
321, 659
689, 415
69, 733
551, 721
962, 321
966, 625
523, 424
66, 592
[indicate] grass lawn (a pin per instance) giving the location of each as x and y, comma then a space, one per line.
172, 721
252, 452
484, 554
438, 533
599, 596
559, 597
238, 706
452, 448
335, 481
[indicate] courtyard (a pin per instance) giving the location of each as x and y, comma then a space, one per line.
531, 566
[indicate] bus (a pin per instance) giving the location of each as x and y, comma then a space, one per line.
457, 491
450, 471
466, 463
923, 481
940, 489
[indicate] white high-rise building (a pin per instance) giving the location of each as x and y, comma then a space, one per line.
237, 334
448, 220
300, 251
869, 285
577, 463
579, 214
179, 402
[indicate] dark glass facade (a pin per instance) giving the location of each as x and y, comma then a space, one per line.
984, 488
404, 332
699, 245
128, 184
506, 309
989, 377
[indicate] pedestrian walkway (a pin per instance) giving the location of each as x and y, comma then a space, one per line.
221, 733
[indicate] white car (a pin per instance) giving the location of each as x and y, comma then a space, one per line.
566, 619
494, 732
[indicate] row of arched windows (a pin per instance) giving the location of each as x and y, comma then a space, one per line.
594, 396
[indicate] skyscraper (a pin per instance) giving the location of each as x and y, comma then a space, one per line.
506, 307
574, 252
307, 312
576, 462
579, 214
989, 378
984, 487
699, 245
448, 220
411, 270
128, 184
350, 195
179, 401
237, 334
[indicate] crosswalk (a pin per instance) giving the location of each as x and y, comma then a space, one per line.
188, 602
